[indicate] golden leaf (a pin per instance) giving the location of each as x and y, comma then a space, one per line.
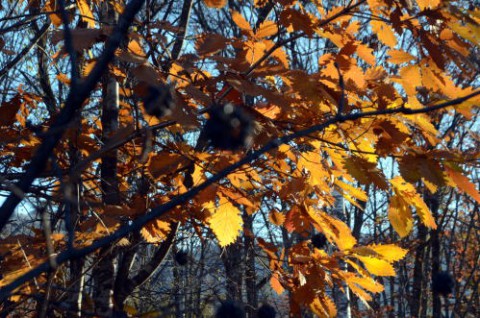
226, 221
389, 252
377, 266
406, 192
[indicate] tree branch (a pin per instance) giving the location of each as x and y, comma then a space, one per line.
77, 96
158, 211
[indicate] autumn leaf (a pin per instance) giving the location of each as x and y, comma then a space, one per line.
241, 22
428, 4
218, 4
389, 252
377, 266
225, 222
267, 28
406, 194
399, 56
86, 13
275, 283
384, 32
463, 183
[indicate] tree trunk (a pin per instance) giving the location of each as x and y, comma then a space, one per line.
104, 274
250, 273
232, 260
418, 273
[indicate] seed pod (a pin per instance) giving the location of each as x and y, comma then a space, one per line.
319, 240
229, 127
181, 257
266, 311
442, 283
158, 100
230, 309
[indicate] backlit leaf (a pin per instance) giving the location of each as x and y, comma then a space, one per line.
225, 222
267, 28
398, 57
384, 32
241, 22
377, 266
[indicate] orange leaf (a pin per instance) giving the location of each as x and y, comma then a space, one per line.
50, 6
215, 3
276, 217
86, 13
241, 22
275, 283
384, 32
267, 28
463, 183
428, 4
399, 56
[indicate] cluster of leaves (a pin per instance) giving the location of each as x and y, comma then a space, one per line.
310, 133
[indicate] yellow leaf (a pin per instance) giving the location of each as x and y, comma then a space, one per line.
218, 4
384, 32
267, 28
63, 78
334, 229
406, 191
377, 266
226, 222
400, 216
389, 252
355, 192
86, 13
367, 283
